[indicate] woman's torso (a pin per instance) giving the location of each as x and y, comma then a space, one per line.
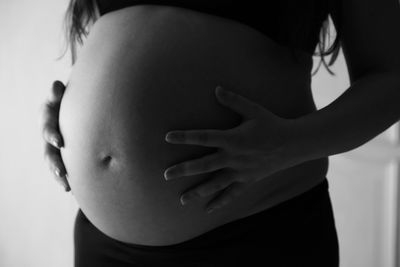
146, 70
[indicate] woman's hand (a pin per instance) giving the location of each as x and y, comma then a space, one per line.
51, 134
247, 153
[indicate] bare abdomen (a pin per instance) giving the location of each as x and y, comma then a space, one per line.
146, 70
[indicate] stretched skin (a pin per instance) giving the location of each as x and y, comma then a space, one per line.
146, 70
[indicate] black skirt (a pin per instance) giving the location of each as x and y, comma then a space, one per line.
298, 232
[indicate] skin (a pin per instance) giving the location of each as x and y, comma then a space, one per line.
367, 108
53, 140
115, 152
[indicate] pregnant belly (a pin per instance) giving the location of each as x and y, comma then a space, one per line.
146, 70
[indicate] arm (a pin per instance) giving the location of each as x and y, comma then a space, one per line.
371, 43
265, 143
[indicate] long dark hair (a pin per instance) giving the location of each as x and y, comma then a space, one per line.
81, 14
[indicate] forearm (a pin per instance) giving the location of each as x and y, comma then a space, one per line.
366, 109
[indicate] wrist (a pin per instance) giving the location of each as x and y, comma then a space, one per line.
300, 146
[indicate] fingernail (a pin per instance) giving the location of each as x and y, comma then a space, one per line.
166, 177
174, 136
209, 210
57, 172
168, 174
56, 142
185, 198
183, 201
223, 92
168, 137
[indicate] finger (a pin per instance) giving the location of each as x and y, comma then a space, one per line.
51, 136
202, 165
248, 109
50, 130
208, 137
56, 93
53, 158
55, 163
208, 188
50, 111
63, 181
230, 193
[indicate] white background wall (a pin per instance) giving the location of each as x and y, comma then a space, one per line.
36, 215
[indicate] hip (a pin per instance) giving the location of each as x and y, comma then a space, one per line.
298, 232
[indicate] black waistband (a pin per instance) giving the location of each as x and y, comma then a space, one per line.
296, 207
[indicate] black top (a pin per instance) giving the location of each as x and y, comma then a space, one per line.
295, 22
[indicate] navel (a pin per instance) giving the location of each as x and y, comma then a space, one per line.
107, 160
